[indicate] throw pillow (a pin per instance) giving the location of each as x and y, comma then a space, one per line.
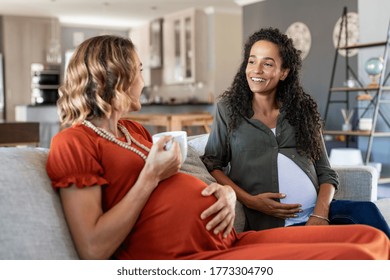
194, 166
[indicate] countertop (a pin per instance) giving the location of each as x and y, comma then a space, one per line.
144, 104
49, 111
177, 104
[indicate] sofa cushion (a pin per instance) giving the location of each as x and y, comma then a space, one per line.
198, 143
31, 218
194, 166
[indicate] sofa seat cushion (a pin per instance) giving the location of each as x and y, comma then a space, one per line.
195, 167
31, 218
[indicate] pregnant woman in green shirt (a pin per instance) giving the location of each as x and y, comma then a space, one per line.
266, 142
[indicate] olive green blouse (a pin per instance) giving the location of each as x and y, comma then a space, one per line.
249, 156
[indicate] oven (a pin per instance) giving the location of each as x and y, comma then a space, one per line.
45, 80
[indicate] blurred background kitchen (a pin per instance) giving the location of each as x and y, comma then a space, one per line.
190, 51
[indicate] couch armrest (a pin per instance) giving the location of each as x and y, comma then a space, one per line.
357, 183
32, 222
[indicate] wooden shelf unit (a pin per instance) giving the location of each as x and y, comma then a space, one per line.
375, 96
343, 89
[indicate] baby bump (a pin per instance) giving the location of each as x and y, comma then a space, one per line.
170, 225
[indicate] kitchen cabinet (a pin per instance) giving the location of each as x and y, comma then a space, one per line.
24, 40
185, 47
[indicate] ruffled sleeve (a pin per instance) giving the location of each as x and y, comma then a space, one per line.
73, 159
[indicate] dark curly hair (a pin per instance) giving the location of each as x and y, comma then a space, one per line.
300, 109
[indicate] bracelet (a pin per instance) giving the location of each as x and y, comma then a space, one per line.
320, 217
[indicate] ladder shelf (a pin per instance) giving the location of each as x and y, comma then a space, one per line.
377, 97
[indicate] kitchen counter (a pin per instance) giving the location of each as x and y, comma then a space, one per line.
48, 119
168, 104
178, 104
161, 108
48, 112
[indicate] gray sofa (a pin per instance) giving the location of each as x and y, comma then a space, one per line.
32, 223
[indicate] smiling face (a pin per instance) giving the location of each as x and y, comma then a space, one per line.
264, 68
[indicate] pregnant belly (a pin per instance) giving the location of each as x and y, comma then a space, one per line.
170, 226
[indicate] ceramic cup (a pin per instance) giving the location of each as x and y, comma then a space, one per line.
178, 136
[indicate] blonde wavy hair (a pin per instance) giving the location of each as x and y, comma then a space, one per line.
98, 78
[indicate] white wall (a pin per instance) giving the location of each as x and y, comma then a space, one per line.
227, 50
374, 16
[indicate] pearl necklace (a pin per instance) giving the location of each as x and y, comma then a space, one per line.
110, 137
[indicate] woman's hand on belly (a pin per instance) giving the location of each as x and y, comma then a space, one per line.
223, 208
267, 204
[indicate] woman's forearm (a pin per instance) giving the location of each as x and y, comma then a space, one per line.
325, 196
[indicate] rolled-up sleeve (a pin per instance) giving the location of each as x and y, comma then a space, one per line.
325, 173
217, 152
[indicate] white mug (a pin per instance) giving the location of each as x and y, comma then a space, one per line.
178, 136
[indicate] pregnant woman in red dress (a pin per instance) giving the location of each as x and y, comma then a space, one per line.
124, 198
